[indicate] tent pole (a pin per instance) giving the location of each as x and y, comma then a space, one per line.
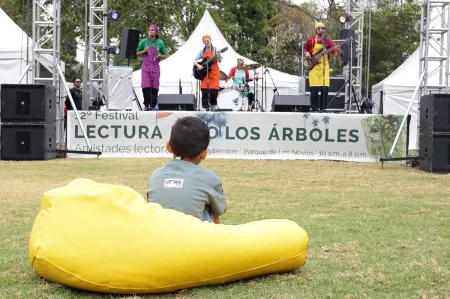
23, 74
405, 117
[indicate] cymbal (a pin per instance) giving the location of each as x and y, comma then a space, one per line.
252, 66
223, 76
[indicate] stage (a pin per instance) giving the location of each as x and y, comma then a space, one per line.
242, 135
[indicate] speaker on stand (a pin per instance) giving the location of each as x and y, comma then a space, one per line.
129, 43
28, 122
345, 48
128, 46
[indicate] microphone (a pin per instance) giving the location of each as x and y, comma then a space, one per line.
156, 56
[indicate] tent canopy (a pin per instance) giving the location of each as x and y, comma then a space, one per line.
14, 56
396, 91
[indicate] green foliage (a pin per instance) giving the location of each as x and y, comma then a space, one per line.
241, 23
20, 11
72, 26
139, 15
288, 29
395, 34
268, 31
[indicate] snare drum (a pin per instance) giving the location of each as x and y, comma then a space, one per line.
230, 99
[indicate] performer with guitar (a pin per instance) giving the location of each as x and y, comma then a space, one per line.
319, 74
153, 49
210, 83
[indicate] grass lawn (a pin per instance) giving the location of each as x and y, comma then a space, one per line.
374, 233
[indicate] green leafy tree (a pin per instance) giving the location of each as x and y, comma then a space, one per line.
395, 34
288, 29
242, 23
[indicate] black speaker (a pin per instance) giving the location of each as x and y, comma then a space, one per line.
288, 103
129, 43
345, 48
28, 103
434, 153
185, 102
335, 84
336, 102
28, 141
434, 114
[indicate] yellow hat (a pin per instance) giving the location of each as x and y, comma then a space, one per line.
319, 24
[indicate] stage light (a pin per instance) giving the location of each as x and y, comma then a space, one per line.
112, 15
344, 18
113, 50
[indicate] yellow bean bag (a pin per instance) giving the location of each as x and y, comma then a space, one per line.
108, 238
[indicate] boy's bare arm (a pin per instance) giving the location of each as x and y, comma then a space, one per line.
216, 218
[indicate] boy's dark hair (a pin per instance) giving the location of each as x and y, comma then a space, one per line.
189, 137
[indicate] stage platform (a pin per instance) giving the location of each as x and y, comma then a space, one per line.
242, 135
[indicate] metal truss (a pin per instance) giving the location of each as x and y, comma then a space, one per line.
355, 9
98, 39
434, 46
46, 41
46, 54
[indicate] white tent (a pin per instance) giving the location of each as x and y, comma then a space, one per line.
13, 52
396, 91
178, 66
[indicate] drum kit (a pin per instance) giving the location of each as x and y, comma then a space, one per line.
235, 98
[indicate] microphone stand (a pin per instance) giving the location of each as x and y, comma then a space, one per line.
275, 88
262, 90
264, 83
244, 83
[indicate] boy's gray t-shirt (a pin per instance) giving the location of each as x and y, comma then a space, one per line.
188, 188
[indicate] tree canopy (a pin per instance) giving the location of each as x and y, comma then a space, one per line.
267, 31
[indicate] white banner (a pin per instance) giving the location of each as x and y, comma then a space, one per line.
242, 135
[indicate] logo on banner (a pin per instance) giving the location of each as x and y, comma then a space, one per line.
173, 183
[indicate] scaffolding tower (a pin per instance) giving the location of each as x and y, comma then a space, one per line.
46, 41
98, 39
46, 36
355, 9
434, 46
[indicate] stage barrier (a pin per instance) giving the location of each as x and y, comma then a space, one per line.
242, 135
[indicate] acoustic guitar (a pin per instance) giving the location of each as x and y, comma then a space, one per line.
206, 64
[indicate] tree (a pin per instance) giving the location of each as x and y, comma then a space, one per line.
395, 34
242, 23
288, 29
187, 16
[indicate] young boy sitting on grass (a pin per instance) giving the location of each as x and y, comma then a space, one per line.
181, 184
